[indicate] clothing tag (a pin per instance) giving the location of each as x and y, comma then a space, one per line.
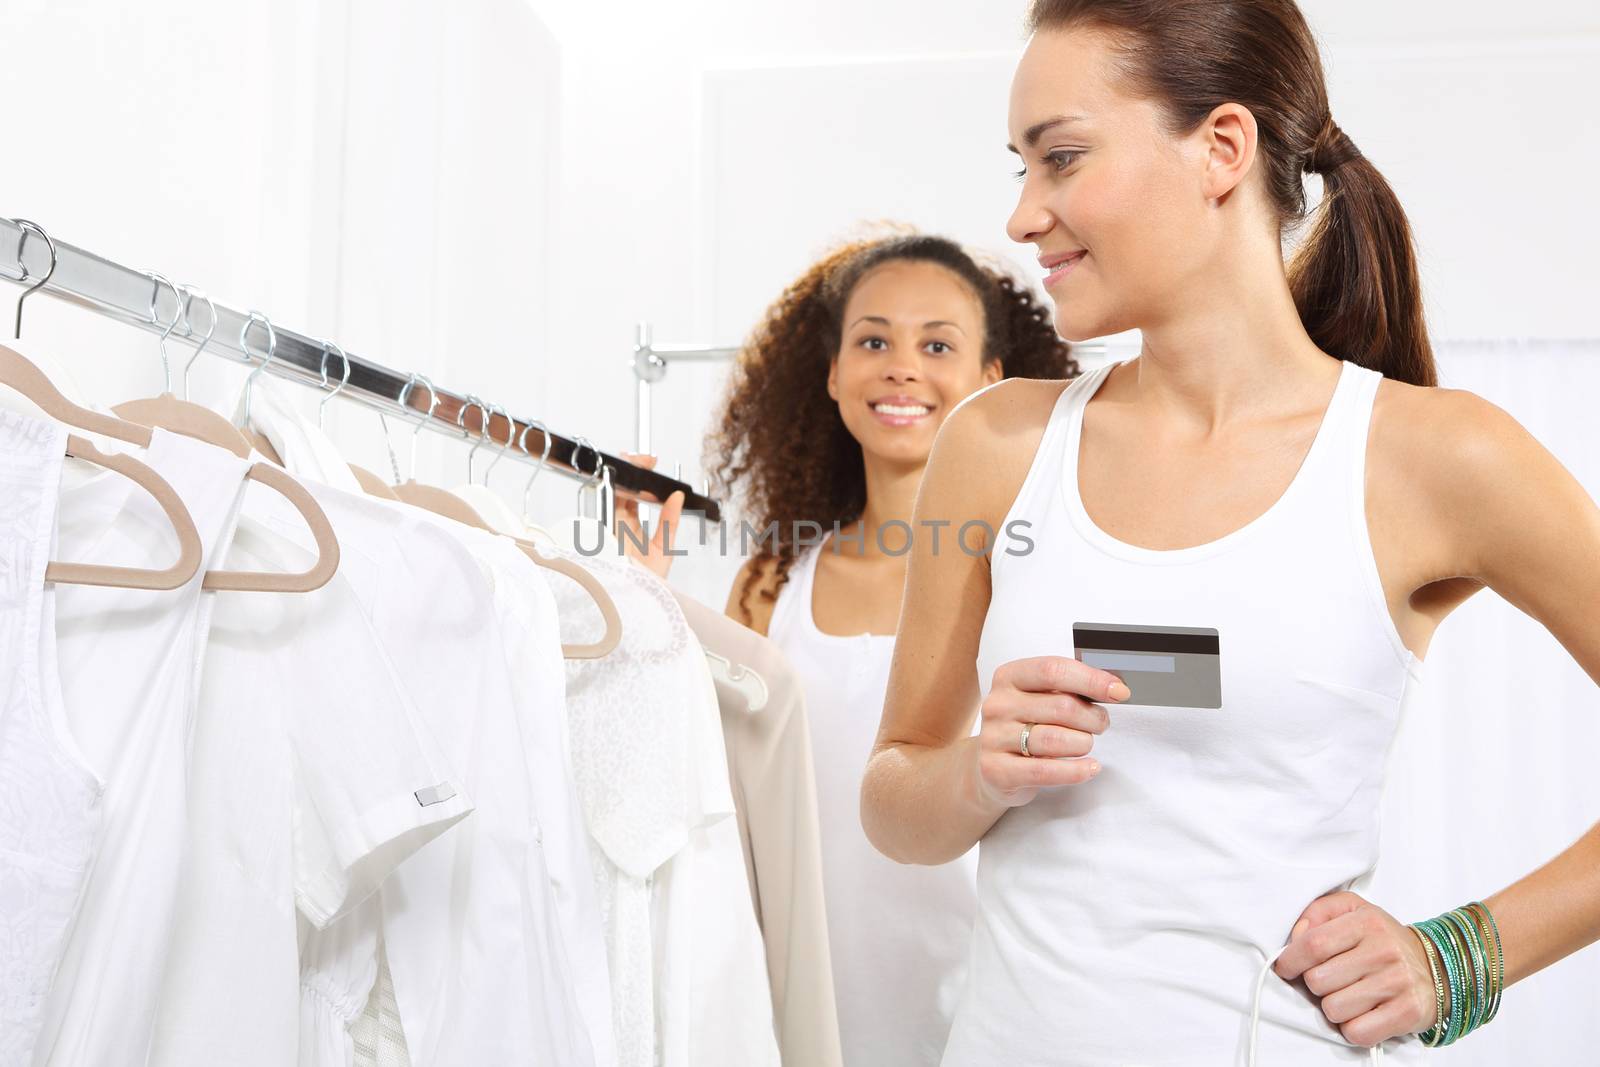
1162, 666
435, 794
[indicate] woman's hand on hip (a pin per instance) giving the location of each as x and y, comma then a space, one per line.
1053, 698
1369, 968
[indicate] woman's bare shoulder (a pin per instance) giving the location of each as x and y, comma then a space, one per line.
987, 444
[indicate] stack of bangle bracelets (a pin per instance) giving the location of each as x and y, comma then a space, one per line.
1459, 942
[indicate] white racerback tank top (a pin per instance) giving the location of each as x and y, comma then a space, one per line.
1132, 920
898, 935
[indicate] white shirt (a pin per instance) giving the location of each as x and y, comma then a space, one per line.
531, 627
129, 660
713, 995
681, 935
312, 777
472, 926
492, 936
49, 797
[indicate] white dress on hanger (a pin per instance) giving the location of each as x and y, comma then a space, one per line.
129, 662
475, 632
688, 973
309, 773
49, 797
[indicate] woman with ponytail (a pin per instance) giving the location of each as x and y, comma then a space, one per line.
1243, 541
825, 430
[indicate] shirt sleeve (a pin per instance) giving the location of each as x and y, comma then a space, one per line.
370, 785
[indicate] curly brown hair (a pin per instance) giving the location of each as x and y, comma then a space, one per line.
781, 437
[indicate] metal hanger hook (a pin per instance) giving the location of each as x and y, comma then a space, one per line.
593, 477
28, 227
433, 403
522, 443
511, 427
607, 495
189, 294
156, 282
483, 428
244, 346
323, 403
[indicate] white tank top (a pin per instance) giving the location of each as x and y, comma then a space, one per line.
898, 934
1129, 920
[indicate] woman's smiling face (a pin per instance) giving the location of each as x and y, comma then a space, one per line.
911, 348
1111, 199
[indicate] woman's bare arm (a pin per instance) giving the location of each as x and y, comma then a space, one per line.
1528, 530
931, 789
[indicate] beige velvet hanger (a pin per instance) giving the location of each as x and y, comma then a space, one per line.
442, 502
193, 420
21, 375
274, 478
189, 547
373, 485
167, 411
320, 572
187, 418
261, 443
602, 599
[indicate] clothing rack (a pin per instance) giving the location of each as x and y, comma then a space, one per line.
31, 258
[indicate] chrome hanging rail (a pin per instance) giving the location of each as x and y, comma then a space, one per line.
34, 260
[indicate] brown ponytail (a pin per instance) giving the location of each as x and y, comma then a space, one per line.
1354, 277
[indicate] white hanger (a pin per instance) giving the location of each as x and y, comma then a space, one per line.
741, 679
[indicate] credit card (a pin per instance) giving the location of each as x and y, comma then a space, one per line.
1162, 666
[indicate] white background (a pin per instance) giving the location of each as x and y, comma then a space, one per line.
494, 192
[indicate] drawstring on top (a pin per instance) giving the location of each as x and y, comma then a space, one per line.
1375, 1053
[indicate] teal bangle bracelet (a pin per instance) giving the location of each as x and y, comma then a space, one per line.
1451, 958
1464, 962
1481, 910
1479, 967
1432, 1035
1440, 1032
1466, 942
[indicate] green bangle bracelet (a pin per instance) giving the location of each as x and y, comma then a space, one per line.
1478, 956
1453, 976
1469, 1004
1465, 943
1480, 911
1441, 1028
1433, 1035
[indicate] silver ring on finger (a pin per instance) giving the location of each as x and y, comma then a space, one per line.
1027, 728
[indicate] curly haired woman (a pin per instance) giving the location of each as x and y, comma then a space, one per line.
828, 422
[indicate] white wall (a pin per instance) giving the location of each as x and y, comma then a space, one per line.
804, 122
493, 192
